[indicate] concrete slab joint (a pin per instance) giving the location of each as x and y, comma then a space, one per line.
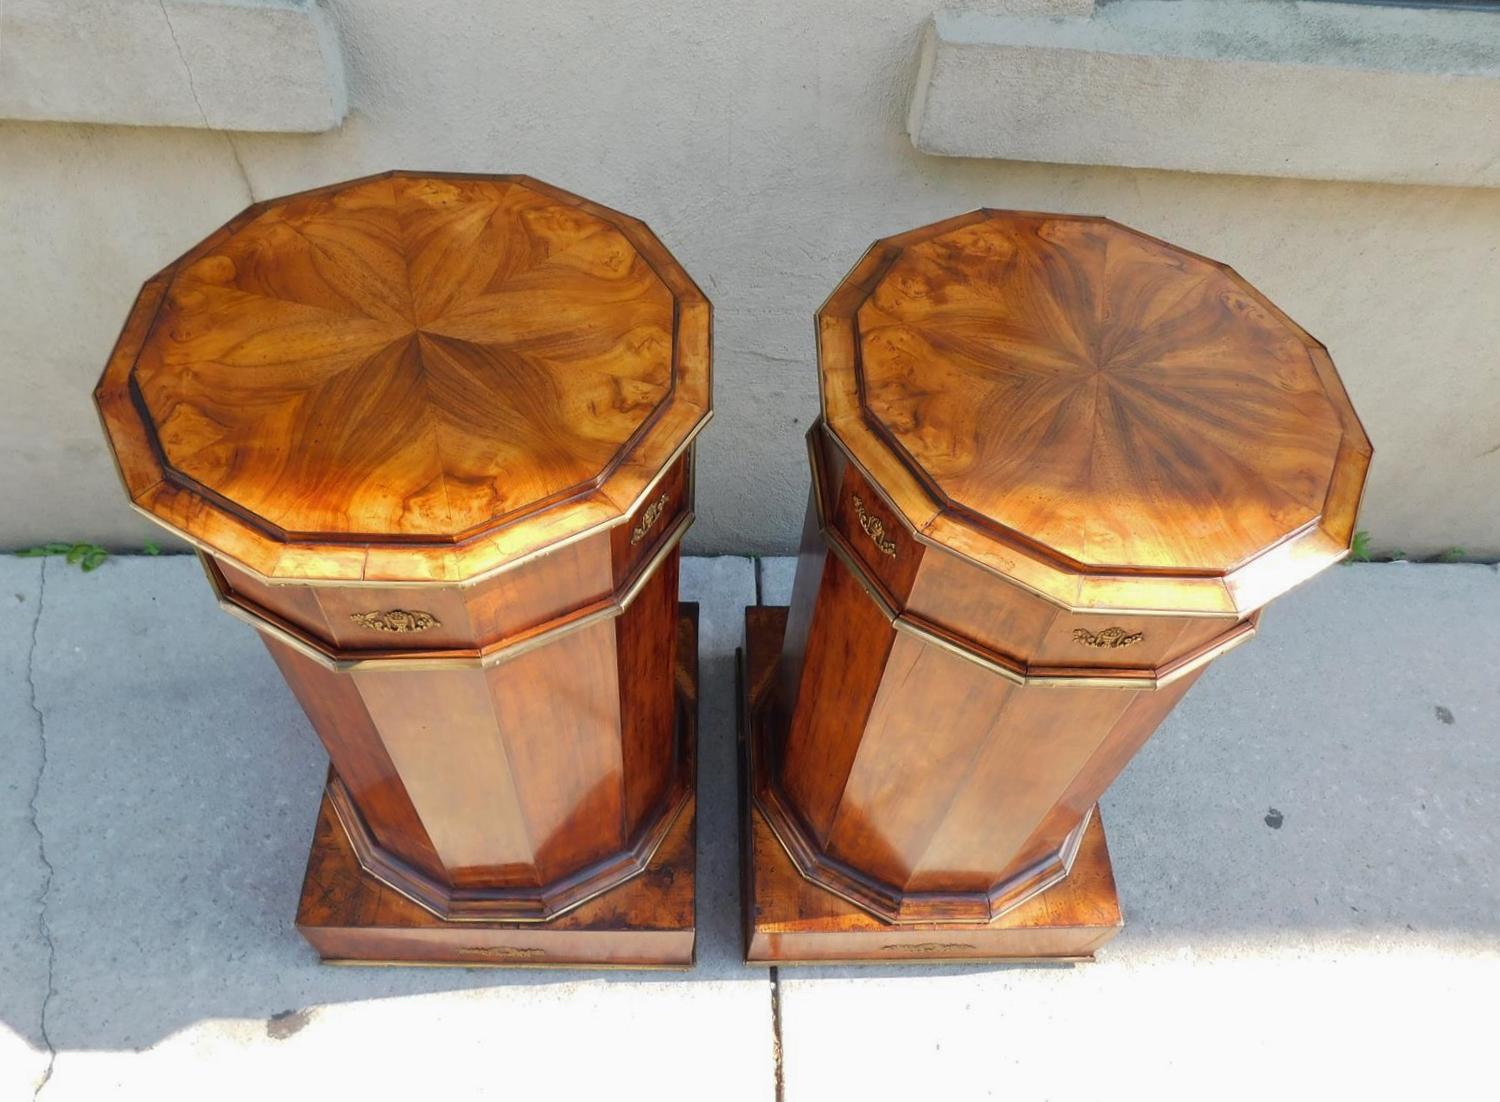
263, 65
1317, 90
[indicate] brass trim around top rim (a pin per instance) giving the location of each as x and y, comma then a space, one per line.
203, 546
922, 537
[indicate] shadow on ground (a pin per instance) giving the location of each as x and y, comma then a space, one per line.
1335, 783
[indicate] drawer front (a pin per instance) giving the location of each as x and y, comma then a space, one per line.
544, 590
999, 616
883, 545
1105, 639
634, 542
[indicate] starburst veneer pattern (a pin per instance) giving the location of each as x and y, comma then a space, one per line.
419, 362
1093, 410
1062, 466
433, 437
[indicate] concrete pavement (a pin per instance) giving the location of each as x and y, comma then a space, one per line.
1306, 853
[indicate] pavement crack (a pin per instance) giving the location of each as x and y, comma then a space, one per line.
41, 841
776, 1054
234, 150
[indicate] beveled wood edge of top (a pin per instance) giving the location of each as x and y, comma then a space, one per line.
1013, 669
413, 659
169, 499
930, 517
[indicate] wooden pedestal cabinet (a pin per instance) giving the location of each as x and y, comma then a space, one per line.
433, 438
1061, 467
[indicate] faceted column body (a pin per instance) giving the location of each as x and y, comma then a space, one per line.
529, 763
930, 775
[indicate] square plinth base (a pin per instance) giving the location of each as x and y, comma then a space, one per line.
646, 922
790, 920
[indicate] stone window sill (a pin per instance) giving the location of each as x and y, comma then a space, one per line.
1331, 91
219, 64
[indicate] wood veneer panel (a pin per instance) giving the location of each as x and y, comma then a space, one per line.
1115, 421
1133, 451
931, 718
647, 642
812, 556
1138, 722
352, 739
633, 542
558, 711
407, 377
456, 764
869, 528
1031, 751
839, 680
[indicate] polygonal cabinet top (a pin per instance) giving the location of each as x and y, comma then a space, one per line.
1109, 420
407, 377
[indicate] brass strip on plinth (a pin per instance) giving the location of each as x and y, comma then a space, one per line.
538, 965
893, 959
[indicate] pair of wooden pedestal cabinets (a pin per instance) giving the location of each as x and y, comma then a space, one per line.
433, 437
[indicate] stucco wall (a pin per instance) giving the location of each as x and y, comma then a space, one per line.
766, 146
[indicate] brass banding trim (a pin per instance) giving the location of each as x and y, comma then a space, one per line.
845, 962
832, 876
274, 627
422, 583
923, 538
365, 848
567, 963
1010, 669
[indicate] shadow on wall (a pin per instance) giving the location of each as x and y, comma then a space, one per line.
1331, 783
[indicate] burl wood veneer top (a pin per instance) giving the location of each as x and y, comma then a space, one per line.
1110, 419
407, 377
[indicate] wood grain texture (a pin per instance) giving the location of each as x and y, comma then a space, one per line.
1113, 421
1061, 467
349, 917
947, 594
518, 790
791, 920
433, 437
919, 784
408, 377
647, 921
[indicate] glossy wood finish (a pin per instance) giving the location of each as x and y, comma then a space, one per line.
541, 594
407, 378
1062, 467
433, 435
1010, 625
646, 922
515, 791
1172, 441
790, 920
922, 785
